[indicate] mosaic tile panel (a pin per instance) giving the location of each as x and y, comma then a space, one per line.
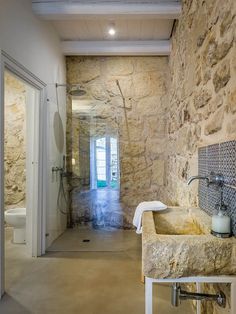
228, 161
213, 165
213, 198
220, 158
202, 170
229, 195
213, 158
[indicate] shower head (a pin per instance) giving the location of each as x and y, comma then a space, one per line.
77, 92
73, 89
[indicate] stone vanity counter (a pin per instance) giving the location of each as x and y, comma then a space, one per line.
177, 243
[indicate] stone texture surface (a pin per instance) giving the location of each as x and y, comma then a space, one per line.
201, 90
15, 149
137, 119
202, 98
177, 243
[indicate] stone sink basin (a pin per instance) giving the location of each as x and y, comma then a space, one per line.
177, 243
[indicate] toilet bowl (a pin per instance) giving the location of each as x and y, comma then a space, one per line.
16, 218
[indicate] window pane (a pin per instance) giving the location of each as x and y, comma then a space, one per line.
114, 163
101, 159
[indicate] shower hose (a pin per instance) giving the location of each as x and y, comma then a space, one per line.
62, 193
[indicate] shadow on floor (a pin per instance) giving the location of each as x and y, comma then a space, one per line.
9, 305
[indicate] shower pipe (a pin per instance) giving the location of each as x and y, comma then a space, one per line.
126, 118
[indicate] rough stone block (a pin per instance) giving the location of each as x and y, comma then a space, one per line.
158, 172
177, 243
202, 98
231, 99
221, 76
215, 123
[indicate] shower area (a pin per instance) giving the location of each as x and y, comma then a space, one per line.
115, 136
94, 162
92, 171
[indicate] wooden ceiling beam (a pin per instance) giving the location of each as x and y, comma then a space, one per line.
73, 10
117, 48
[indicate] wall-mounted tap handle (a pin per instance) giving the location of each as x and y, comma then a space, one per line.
217, 179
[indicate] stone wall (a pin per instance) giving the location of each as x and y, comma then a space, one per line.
128, 95
15, 149
202, 90
202, 95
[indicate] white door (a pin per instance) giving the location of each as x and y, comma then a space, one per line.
32, 163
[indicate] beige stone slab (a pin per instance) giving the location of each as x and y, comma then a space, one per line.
177, 243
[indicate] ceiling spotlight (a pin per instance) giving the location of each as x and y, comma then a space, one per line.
111, 30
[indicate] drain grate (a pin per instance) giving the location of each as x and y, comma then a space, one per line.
86, 240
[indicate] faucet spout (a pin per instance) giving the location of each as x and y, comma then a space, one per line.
216, 179
191, 179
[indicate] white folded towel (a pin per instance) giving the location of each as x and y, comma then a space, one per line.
142, 207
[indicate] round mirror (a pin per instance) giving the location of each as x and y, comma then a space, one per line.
58, 131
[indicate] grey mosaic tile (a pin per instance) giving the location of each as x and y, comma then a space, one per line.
202, 160
202, 170
228, 161
203, 195
229, 196
220, 158
213, 158
213, 198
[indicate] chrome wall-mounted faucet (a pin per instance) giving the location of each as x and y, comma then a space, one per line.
213, 178
191, 179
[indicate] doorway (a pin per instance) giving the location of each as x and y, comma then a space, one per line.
20, 171
104, 162
25, 159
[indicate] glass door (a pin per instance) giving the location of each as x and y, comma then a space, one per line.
105, 163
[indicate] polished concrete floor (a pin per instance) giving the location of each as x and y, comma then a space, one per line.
79, 282
87, 239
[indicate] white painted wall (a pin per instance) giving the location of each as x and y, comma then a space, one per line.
35, 44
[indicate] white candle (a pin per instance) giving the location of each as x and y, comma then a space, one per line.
221, 223
73, 161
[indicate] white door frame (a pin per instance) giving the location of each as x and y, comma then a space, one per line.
39, 213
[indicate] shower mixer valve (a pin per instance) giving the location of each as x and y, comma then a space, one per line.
56, 169
61, 170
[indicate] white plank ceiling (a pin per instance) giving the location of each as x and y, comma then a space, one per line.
81, 22
126, 29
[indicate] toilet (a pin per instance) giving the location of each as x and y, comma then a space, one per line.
16, 218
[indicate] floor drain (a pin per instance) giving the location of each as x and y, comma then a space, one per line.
86, 240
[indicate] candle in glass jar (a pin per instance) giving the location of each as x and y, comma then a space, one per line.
221, 223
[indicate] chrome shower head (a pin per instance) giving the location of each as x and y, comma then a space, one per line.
73, 89
77, 92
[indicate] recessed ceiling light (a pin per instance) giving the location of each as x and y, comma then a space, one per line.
111, 31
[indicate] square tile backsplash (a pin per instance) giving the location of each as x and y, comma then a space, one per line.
220, 158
